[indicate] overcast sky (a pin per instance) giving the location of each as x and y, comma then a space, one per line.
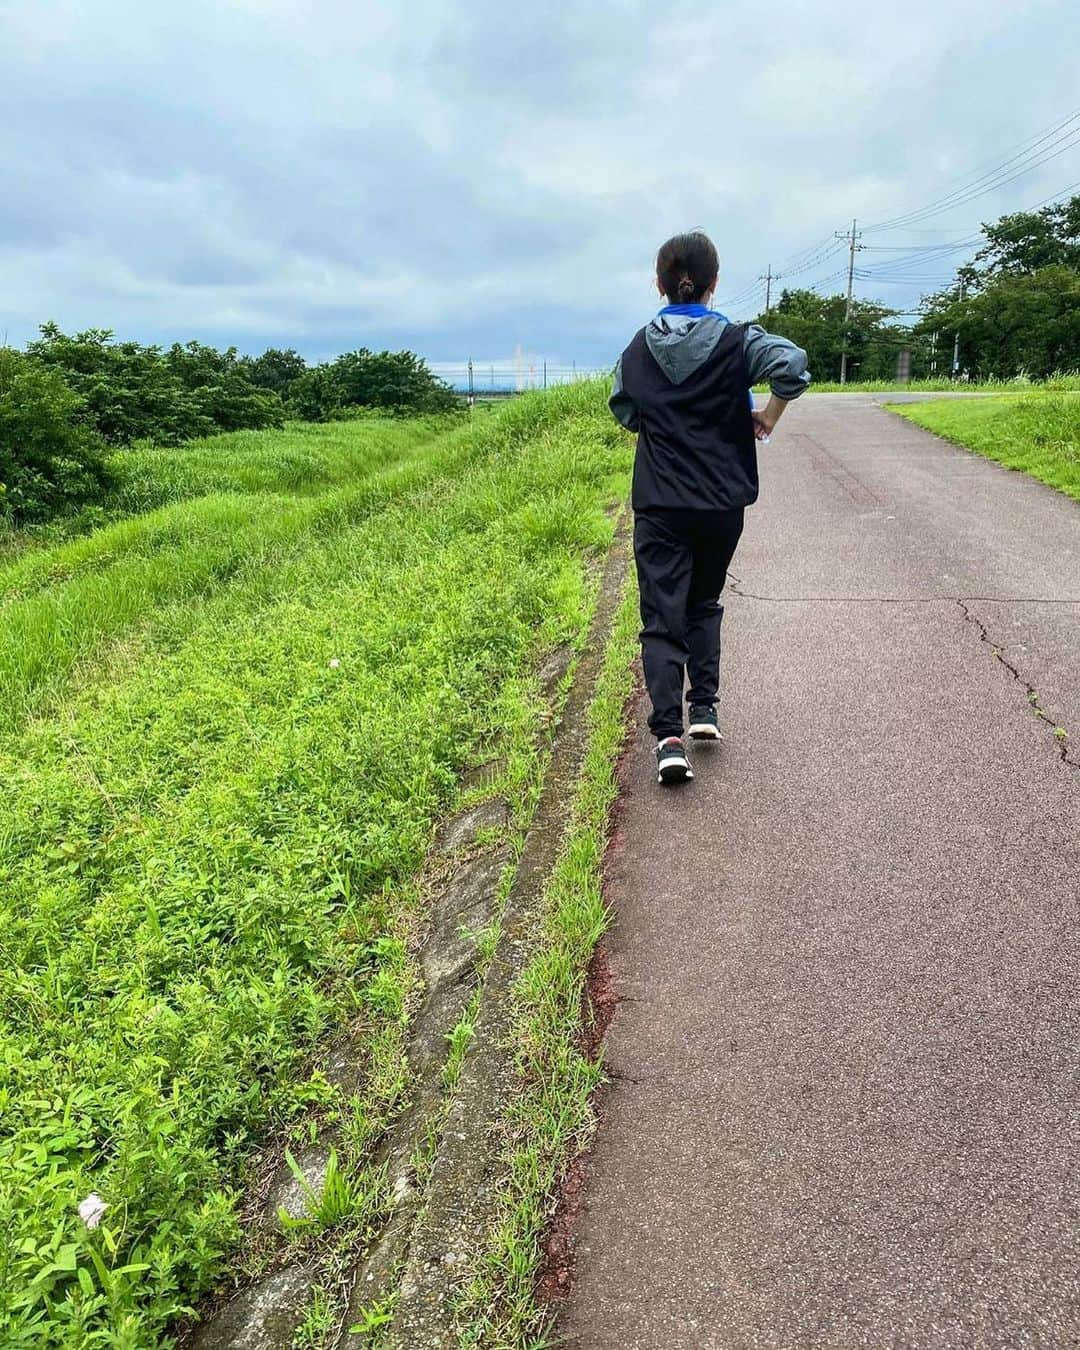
460, 178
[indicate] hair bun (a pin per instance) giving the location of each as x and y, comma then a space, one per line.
686, 288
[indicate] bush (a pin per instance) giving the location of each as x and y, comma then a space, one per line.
51, 459
275, 370
392, 381
128, 390
133, 392
221, 383
312, 398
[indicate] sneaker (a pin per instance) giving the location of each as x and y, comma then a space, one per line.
672, 765
703, 723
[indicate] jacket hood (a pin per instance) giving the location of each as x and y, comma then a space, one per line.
680, 343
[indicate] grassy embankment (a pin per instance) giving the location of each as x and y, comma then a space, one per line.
230, 725
1038, 434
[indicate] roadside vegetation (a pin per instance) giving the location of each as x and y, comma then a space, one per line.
1038, 434
551, 1118
242, 714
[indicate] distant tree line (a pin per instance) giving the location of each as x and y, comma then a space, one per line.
68, 400
1014, 308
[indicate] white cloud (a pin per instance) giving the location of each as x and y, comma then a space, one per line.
448, 173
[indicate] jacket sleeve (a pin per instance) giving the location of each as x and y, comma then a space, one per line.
775, 361
622, 406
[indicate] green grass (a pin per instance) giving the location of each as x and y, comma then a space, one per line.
207, 847
1038, 434
59, 603
303, 458
1065, 381
1058, 383
551, 1116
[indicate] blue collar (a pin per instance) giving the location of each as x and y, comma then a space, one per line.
692, 312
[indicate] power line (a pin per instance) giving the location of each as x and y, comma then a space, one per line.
915, 249
814, 261
1060, 138
898, 269
799, 259
1025, 148
805, 260
747, 290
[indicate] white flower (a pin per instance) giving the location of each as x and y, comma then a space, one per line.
334, 663
92, 1209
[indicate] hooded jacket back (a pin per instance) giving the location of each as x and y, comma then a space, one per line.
696, 446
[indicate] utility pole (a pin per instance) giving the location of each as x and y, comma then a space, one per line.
852, 246
768, 279
956, 340
545, 372
471, 399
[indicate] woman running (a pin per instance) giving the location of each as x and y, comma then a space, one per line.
683, 385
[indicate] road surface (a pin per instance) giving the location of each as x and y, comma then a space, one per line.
846, 1059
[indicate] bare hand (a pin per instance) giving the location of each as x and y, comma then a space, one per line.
763, 424
765, 419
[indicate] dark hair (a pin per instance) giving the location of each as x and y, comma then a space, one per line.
686, 266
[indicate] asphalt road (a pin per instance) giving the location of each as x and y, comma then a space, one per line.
846, 1060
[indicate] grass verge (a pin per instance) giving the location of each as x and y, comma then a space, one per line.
1038, 434
551, 1116
207, 856
1060, 383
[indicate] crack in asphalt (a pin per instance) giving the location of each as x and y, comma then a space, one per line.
963, 601
1060, 734
736, 588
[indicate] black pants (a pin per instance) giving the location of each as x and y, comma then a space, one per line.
682, 560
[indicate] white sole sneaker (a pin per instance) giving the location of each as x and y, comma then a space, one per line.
704, 731
671, 774
674, 768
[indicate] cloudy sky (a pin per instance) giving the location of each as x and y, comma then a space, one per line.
462, 177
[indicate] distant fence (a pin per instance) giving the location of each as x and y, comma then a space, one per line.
503, 379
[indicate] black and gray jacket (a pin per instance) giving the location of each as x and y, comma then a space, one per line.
683, 385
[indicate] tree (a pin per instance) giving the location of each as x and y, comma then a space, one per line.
816, 323
399, 380
51, 459
1028, 241
1019, 310
134, 392
313, 398
1017, 323
127, 389
223, 388
394, 381
275, 370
